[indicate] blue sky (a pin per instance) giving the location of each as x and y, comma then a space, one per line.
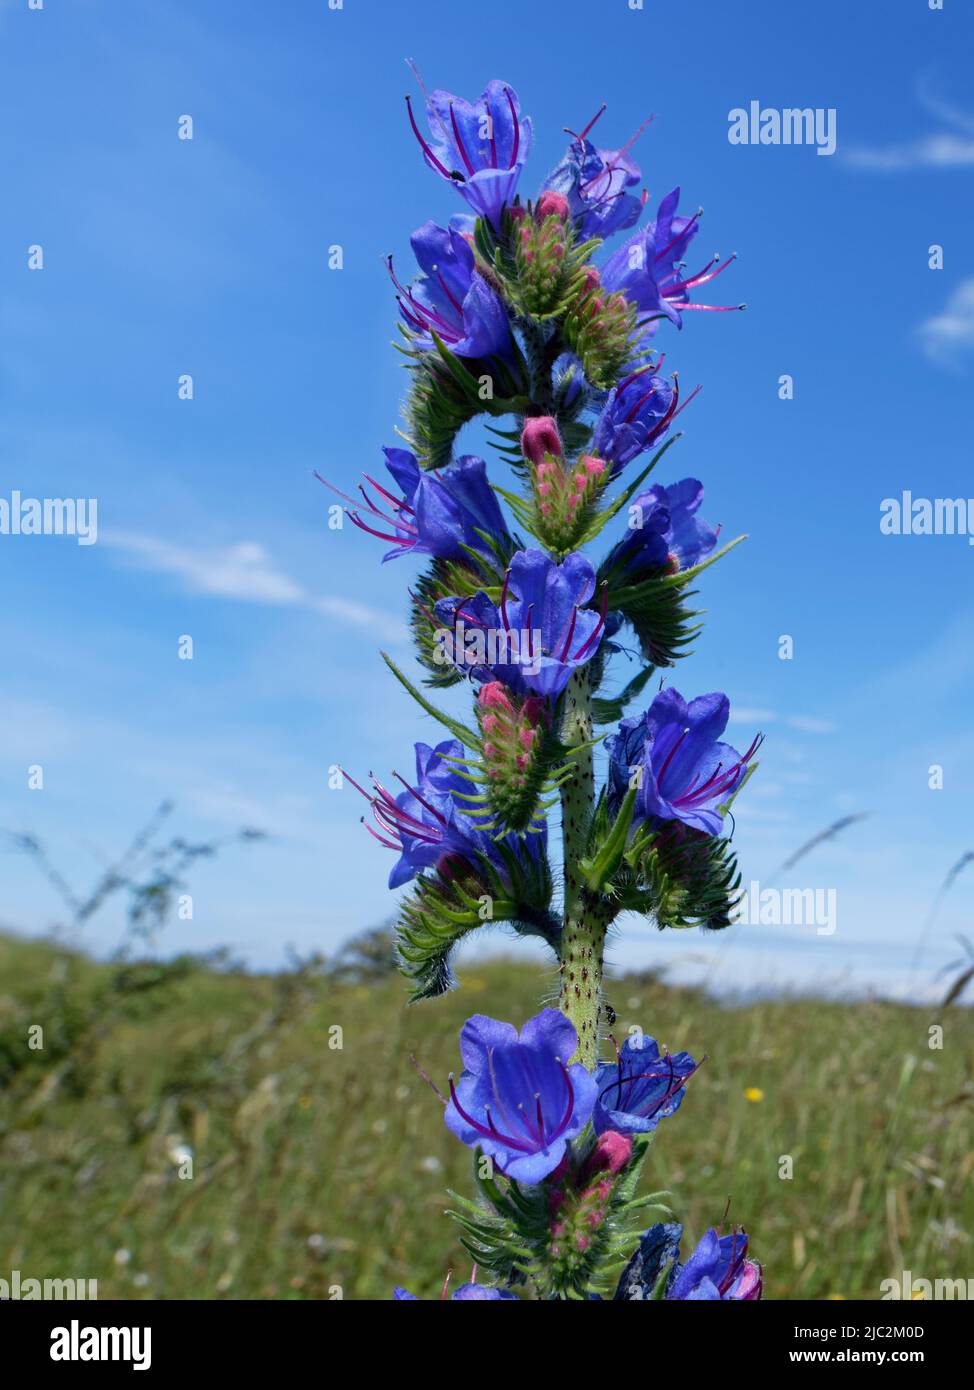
165, 256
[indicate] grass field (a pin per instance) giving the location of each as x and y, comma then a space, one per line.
316, 1166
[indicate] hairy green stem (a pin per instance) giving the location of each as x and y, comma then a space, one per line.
583, 935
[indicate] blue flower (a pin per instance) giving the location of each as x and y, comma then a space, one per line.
568, 383
672, 755
539, 633
465, 1293
517, 1099
439, 513
636, 414
451, 298
426, 826
647, 269
480, 146
595, 182
665, 531
718, 1270
641, 1087
481, 1293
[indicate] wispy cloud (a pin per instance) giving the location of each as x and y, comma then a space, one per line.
809, 724
244, 572
944, 149
947, 336
804, 723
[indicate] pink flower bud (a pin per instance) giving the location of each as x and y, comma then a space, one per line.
494, 696
539, 437
551, 205
611, 1153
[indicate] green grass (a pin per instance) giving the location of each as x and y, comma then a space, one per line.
317, 1167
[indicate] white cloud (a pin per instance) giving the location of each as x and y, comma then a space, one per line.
804, 723
944, 151
949, 334
744, 714
245, 572
808, 724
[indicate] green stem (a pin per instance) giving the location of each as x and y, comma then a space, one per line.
583, 934
543, 346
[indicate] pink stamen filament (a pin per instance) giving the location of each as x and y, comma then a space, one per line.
695, 392
449, 293
716, 785
679, 237
583, 649
627, 382
669, 758
377, 512
591, 123
570, 1105
425, 147
459, 141
517, 128
490, 1130
356, 520
422, 800
389, 844
467, 618
419, 312
706, 308
571, 634
539, 1138
373, 510
731, 1274
399, 502
701, 276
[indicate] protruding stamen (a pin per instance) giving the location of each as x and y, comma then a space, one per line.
517, 128
669, 758
583, 649
459, 140
425, 147
591, 123
571, 633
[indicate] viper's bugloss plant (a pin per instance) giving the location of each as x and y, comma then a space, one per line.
519, 316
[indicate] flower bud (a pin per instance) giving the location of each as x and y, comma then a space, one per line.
599, 328
611, 1154
563, 493
514, 730
551, 204
543, 260
540, 437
